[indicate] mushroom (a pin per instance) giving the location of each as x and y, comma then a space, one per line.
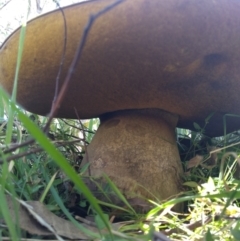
147, 67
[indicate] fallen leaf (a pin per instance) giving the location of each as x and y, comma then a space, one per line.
195, 161
34, 217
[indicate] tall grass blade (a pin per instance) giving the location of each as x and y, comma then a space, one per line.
14, 91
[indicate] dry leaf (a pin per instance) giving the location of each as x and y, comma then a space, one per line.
26, 221
195, 161
32, 214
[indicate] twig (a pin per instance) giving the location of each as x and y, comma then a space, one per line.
38, 5
5, 4
81, 129
85, 221
17, 146
46, 128
57, 103
85, 147
35, 150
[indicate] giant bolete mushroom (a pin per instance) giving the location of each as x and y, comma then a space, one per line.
147, 67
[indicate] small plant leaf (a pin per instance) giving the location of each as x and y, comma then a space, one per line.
190, 184
196, 126
208, 236
236, 231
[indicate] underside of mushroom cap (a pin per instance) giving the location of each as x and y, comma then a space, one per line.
180, 56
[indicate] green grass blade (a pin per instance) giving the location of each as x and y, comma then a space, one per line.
14, 91
46, 190
119, 194
4, 208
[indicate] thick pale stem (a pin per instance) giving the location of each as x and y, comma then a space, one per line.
137, 150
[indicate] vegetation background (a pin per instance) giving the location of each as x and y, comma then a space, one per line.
44, 167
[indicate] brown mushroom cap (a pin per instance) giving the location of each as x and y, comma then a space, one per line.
180, 56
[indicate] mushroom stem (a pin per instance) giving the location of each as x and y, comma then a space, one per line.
137, 149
